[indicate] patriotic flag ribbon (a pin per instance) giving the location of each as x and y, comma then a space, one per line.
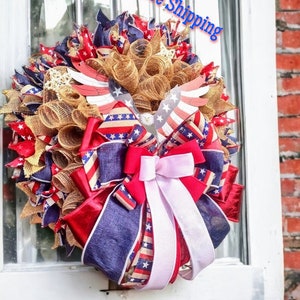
23, 143
141, 259
120, 124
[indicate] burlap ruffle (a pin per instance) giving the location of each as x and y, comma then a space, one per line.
62, 180
70, 96
70, 137
73, 200
55, 114
81, 114
62, 157
139, 51
38, 128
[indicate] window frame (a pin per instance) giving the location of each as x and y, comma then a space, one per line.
263, 277
264, 223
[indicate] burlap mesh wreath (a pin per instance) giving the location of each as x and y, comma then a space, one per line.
109, 105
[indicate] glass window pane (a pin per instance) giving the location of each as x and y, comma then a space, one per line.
51, 21
235, 245
9, 203
90, 9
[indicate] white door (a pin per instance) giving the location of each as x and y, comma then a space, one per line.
254, 274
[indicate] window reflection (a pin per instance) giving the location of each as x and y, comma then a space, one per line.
48, 28
53, 20
9, 196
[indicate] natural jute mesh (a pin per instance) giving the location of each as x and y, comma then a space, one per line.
38, 128
70, 96
55, 114
70, 137
81, 114
73, 200
62, 157
140, 50
62, 179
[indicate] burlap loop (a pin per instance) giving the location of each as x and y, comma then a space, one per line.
139, 50
97, 64
70, 137
76, 157
142, 103
38, 128
72, 201
70, 96
123, 70
55, 114
154, 65
154, 89
62, 180
81, 114
62, 157
183, 72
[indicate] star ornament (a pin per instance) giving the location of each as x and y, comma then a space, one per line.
215, 101
168, 53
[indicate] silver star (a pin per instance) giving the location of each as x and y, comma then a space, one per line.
117, 92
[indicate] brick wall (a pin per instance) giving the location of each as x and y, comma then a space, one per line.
288, 73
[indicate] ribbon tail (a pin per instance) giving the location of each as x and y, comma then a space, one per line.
165, 241
191, 224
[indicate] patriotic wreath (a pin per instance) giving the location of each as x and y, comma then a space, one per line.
124, 147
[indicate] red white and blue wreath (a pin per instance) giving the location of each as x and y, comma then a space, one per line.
124, 147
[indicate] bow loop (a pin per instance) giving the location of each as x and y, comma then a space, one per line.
166, 166
178, 163
148, 167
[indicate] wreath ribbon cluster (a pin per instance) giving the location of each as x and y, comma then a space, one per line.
123, 149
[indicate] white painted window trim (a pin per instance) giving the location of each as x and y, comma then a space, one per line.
261, 142
263, 277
